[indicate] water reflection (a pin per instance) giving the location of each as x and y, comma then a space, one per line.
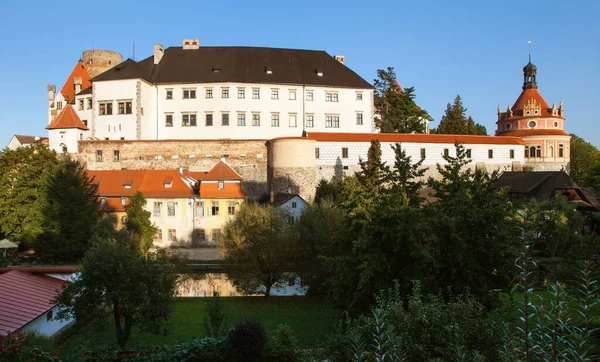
208, 284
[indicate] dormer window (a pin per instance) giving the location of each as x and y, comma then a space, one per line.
168, 182
221, 185
127, 185
123, 201
319, 72
216, 69
268, 70
103, 201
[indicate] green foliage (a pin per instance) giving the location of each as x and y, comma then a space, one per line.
261, 245
454, 121
214, 320
396, 108
24, 347
117, 279
22, 173
283, 346
328, 191
138, 222
70, 212
247, 340
585, 162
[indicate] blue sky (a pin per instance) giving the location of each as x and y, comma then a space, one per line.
443, 48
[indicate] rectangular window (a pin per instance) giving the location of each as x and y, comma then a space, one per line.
225, 119
468, 153
309, 96
49, 316
359, 119
98, 155
241, 119
293, 120
332, 121
423, 153
168, 120
84, 122
512, 153
490, 154
231, 208
331, 97
214, 209
123, 201
274, 94
209, 94
170, 209
317, 153
215, 235
81, 104
256, 94
241, 93
221, 185
59, 105
172, 235
199, 235
157, 235
292, 95
274, 120
294, 204
561, 150
105, 108
189, 93
209, 119
125, 107
169, 94
256, 119
344, 152
310, 121
225, 93
89, 103
200, 208
359, 96
446, 152
116, 155
188, 120
156, 209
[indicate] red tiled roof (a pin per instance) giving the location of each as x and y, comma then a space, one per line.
231, 190
527, 95
113, 204
24, 139
42, 269
417, 138
221, 171
533, 132
67, 118
25, 297
68, 89
151, 183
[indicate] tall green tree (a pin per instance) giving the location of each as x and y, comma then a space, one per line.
70, 212
455, 121
261, 245
585, 161
22, 172
117, 280
395, 108
138, 222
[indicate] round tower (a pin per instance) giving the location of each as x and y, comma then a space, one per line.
97, 61
292, 167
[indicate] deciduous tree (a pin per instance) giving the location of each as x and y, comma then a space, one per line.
138, 222
585, 161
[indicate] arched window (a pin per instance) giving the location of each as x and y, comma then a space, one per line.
551, 149
526, 152
539, 152
531, 151
561, 150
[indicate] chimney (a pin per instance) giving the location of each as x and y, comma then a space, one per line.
339, 58
159, 51
191, 43
77, 82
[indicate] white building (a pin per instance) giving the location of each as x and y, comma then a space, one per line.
19, 140
291, 204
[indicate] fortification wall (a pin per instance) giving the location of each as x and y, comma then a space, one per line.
248, 157
99, 60
292, 167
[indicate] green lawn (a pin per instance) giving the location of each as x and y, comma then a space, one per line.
311, 319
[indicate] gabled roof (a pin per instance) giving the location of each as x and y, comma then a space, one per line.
68, 89
231, 190
88, 90
281, 198
221, 171
27, 140
151, 183
239, 64
67, 119
416, 138
25, 297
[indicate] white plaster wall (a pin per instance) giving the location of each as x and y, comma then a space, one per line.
68, 137
45, 327
116, 125
13, 144
86, 113
287, 208
182, 222
148, 111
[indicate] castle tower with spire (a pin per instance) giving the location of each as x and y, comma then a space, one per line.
540, 126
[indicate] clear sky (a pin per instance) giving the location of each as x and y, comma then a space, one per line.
443, 48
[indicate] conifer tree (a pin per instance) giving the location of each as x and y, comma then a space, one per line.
455, 121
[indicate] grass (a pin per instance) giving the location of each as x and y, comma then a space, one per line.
311, 319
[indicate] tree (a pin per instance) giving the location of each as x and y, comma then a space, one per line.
138, 222
396, 109
454, 121
22, 172
261, 246
585, 161
70, 212
116, 279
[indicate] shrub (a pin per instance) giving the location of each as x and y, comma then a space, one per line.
214, 320
283, 346
20, 346
247, 340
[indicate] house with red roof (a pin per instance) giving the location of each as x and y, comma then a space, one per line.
187, 208
66, 130
26, 303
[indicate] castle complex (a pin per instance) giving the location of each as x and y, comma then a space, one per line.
283, 119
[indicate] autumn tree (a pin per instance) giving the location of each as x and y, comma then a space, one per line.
260, 244
455, 121
138, 222
395, 108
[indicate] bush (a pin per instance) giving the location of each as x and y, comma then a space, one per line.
214, 320
283, 346
247, 340
21, 346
